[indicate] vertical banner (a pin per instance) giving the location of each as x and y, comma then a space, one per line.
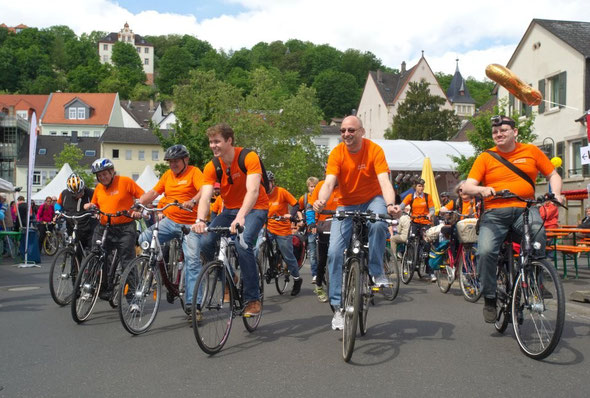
32, 153
588, 125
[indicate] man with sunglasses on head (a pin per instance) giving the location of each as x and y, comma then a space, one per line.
245, 203
357, 165
488, 176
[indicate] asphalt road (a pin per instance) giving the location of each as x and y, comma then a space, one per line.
423, 344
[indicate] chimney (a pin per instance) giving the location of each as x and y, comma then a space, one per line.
403, 66
379, 76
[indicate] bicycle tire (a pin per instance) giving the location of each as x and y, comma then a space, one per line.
421, 266
366, 295
538, 309
408, 263
216, 309
264, 262
139, 291
502, 300
86, 288
445, 275
283, 276
62, 276
251, 323
468, 278
352, 303
116, 283
391, 270
50, 244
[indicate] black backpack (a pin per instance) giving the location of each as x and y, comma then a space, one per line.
241, 163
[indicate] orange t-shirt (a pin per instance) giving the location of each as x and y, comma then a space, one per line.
233, 194
279, 201
331, 203
118, 196
357, 172
419, 207
181, 188
491, 173
217, 206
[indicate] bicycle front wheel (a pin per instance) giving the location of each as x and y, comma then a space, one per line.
139, 294
352, 305
214, 299
468, 278
502, 299
538, 309
50, 244
86, 288
366, 295
391, 270
62, 276
408, 263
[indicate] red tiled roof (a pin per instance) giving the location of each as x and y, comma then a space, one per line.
22, 102
102, 104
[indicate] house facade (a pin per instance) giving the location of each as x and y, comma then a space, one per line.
144, 49
384, 92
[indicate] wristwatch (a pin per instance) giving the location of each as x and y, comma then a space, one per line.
194, 202
198, 220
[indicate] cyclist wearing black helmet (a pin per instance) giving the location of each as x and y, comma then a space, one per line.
182, 183
72, 201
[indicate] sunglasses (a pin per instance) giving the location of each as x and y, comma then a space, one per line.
228, 174
350, 130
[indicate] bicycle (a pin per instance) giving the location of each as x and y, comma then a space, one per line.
529, 294
357, 285
53, 240
271, 261
391, 269
415, 256
66, 264
141, 282
218, 294
90, 278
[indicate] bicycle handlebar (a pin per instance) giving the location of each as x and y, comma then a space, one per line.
226, 231
367, 215
506, 194
79, 217
156, 210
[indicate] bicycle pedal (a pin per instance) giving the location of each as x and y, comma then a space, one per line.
375, 288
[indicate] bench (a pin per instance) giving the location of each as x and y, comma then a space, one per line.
568, 250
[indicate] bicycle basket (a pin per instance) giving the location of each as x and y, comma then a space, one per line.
437, 255
432, 234
467, 231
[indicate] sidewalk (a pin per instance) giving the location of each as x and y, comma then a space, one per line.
576, 290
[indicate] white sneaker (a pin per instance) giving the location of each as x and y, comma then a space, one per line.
313, 280
432, 278
338, 320
381, 281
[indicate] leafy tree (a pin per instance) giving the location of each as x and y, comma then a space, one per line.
359, 64
481, 135
127, 73
86, 78
337, 92
72, 155
174, 68
317, 59
419, 116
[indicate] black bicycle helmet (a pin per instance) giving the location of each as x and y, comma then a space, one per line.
101, 164
177, 151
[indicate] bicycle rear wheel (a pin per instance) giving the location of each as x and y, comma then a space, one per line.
62, 276
86, 288
215, 300
538, 309
408, 263
366, 295
283, 276
391, 270
421, 268
140, 295
502, 299
50, 243
468, 278
352, 305
445, 275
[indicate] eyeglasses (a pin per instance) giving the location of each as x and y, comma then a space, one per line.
229, 179
350, 130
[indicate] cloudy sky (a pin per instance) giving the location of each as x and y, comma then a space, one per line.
477, 32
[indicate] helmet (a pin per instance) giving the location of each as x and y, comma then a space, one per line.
445, 194
75, 184
270, 175
101, 164
176, 152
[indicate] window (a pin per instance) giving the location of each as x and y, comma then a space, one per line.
146, 61
42, 151
81, 113
115, 154
90, 153
105, 47
554, 89
128, 154
72, 113
577, 168
96, 133
105, 58
138, 49
36, 178
53, 132
85, 133
141, 155
22, 114
146, 50
64, 133
155, 155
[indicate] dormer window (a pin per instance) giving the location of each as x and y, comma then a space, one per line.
81, 113
42, 151
72, 114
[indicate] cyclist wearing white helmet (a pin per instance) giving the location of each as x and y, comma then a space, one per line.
72, 201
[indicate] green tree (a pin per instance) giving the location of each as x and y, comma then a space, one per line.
72, 154
480, 91
481, 135
338, 92
359, 64
128, 68
419, 116
174, 68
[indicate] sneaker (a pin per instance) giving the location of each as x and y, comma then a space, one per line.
297, 282
314, 280
188, 311
104, 294
198, 316
252, 308
489, 310
451, 272
321, 293
338, 320
433, 278
381, 281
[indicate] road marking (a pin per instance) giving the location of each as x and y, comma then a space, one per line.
23, 288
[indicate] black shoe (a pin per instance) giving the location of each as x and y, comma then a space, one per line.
297, 282
489, 310
104, 294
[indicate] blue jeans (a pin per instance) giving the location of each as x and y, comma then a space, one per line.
285, 245
254, 222
169, 230
312, 253
340, 234
494, 227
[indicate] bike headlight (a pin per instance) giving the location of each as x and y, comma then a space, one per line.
536, 245
144, 245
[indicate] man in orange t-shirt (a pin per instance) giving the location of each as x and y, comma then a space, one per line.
181, 183
358, 166
245, 203
504, 215
113, 194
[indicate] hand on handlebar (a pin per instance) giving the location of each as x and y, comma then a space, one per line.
486, 192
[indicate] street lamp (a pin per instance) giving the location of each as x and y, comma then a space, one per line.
551, 146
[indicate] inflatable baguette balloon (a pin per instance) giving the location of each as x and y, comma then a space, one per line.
505, 78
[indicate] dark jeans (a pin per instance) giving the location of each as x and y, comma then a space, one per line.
120, 237
494, 227
323, 243
43, 228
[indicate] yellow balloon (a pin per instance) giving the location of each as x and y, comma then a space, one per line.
556, 161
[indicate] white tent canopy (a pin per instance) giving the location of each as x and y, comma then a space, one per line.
56, 186
148, 178
409, 155
6, 186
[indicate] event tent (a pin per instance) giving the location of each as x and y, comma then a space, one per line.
409, 155
6, 186
148, 178
56, 186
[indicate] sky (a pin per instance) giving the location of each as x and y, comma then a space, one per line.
476, 32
